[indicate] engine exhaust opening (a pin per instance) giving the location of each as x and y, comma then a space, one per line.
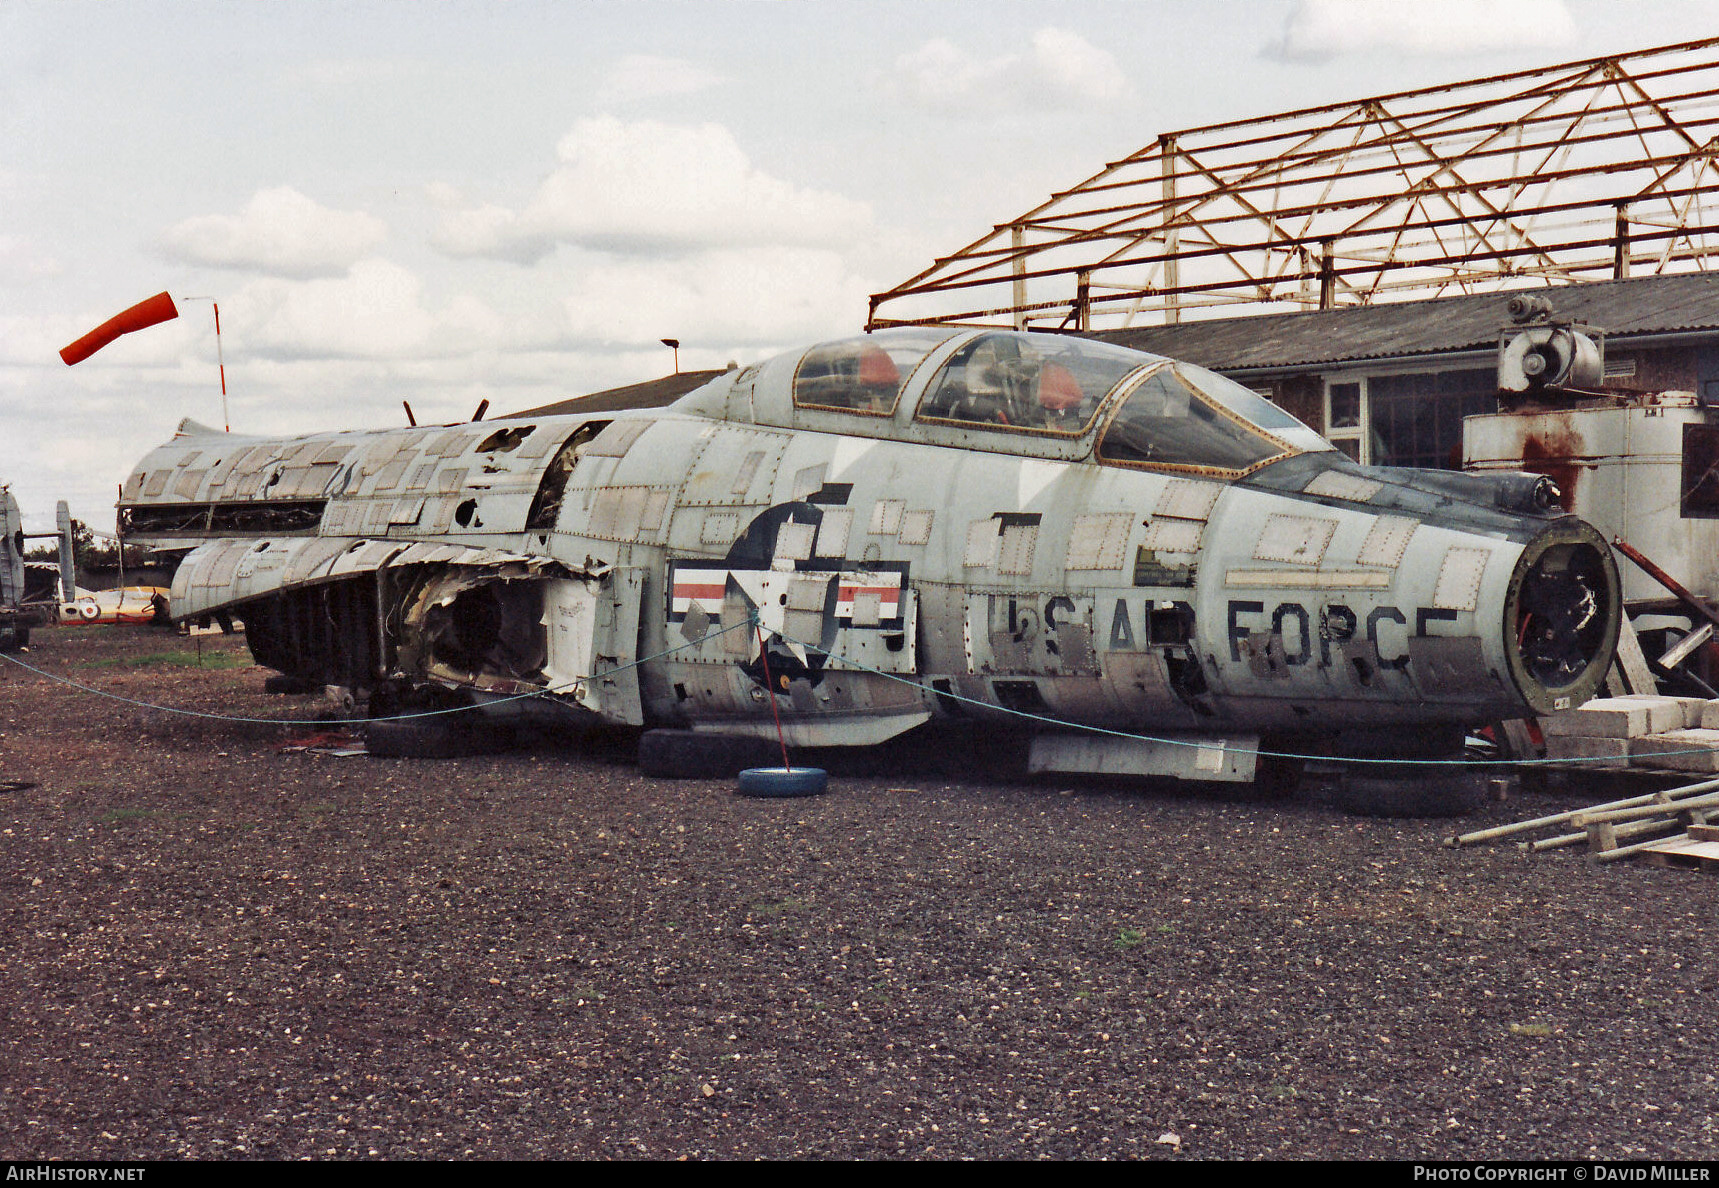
1561, 616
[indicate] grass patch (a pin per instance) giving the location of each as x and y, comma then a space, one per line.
1536, 1030
179, 659
115, 816
766, 910
1128, 938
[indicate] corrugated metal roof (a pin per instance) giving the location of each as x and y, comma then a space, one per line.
657, 393
1644, 305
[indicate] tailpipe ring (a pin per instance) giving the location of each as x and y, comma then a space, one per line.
1561, 616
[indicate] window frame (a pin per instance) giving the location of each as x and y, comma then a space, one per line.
1119, 401
1361, 432
1124, 383
876, 414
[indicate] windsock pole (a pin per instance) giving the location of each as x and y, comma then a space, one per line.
221, 362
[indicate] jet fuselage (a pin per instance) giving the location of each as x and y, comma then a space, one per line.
896, 529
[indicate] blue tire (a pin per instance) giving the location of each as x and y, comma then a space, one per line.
783, 781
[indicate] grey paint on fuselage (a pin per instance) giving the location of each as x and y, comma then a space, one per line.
956, 568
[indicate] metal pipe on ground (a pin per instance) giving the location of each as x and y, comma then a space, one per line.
1493, 834
1582, 820
1634, 829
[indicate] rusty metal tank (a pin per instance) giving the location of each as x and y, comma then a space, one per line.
1640, 466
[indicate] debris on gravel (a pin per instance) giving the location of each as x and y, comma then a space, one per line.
225, 941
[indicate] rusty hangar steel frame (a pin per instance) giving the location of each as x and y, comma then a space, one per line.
1592, 169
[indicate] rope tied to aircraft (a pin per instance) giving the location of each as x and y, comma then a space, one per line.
751, 623
566, 687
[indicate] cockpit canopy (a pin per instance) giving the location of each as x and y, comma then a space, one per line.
865, 374
1186, 417
1045, 395
1038, 382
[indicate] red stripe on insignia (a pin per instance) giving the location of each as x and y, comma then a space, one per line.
699, 590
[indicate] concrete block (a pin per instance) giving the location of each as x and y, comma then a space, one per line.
1691, 709
1710, 716
1616, 717
1579, 746
1678, 750
1694, 712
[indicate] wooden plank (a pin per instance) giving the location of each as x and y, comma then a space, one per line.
1680, 651
1686, 853
1704, 832
1665, 797
1625, 851
1615, 685
1660, 804
1632, 829
1517, 742
1636, 673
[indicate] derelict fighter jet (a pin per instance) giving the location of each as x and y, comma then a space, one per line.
896, 531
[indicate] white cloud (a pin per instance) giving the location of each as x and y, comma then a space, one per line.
375, 312
490, 231
1320, 29
280, 232
645, 76
941, 75
719, 300
1061, 70
22, 262
444, 196
644, 187
1071, 67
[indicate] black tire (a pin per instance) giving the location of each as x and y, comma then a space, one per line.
431, 738
290, 685
1275, 778
782, 782
690, 755
1424, 793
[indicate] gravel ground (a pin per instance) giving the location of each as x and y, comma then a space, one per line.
214, 948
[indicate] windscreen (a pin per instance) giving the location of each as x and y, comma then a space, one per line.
1169, 421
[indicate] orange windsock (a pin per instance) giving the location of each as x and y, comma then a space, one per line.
144, 314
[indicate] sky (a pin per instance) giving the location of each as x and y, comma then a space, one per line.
452, 202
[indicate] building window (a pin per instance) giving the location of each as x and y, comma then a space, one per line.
1345, 419
1416, 419
1407, 420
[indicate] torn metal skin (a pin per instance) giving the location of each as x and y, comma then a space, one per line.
912, 528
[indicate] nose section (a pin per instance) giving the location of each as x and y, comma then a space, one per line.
1561, 616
